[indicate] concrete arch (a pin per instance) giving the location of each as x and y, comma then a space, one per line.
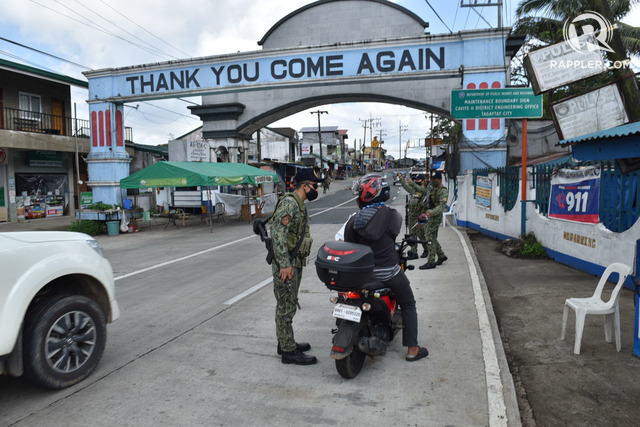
354, 21
329, 51
285, 110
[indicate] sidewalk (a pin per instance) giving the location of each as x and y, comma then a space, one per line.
598, 387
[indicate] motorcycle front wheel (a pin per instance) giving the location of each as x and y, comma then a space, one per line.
350, 366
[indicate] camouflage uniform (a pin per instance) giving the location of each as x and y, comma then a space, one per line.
417, 206
286, 228
437, 205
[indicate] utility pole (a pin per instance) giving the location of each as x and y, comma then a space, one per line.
430, 146
320, 138
401, 128
364, 139
370, 122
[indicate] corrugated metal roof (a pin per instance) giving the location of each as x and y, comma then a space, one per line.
616, 132
37, 72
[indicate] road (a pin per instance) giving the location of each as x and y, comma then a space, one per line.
195, 344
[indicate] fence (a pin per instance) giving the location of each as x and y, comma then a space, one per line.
619, 206
29, 121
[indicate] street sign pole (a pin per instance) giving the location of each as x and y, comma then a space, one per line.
523, 191
506, 103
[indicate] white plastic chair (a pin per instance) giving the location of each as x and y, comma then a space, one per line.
595, 305
450, 212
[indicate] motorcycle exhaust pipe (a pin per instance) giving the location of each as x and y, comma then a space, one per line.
372, 346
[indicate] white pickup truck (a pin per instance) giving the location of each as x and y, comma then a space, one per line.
56, 298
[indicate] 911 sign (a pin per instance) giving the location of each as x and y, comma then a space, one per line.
576, 199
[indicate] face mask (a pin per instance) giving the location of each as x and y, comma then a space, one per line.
312, 195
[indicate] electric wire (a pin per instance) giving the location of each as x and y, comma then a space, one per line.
159, 51
482, 17
44, 53
95, 28
144, 29
441, 20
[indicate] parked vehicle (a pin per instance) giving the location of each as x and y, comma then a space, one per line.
365, 311
56, 297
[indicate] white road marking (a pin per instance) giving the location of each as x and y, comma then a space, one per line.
248, 292
173, 261
238, 297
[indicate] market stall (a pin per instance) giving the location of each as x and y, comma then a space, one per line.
193, 174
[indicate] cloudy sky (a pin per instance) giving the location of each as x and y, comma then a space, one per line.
95, 34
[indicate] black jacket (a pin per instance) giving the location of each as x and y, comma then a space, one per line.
376, 227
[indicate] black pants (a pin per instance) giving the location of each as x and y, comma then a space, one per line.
401, 286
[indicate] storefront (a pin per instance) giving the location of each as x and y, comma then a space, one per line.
41, 195
41, 184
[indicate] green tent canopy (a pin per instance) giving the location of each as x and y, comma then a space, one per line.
192, 174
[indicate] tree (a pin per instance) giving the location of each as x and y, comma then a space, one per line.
544, 20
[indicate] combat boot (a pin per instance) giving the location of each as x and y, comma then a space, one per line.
300, 346
298, 358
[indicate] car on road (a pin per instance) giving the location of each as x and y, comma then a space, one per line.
57, 295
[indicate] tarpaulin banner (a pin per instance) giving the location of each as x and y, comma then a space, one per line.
575, 195
483, 192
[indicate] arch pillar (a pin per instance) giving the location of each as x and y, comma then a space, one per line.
108, 160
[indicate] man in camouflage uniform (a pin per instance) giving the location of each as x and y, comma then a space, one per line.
437, 205
291, 247
419, 195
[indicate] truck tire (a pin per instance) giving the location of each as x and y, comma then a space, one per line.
64, 339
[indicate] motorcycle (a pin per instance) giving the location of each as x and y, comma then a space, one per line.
367, 316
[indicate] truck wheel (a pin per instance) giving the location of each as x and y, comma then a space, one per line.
64, 338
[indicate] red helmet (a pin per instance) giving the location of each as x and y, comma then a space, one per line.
372, 188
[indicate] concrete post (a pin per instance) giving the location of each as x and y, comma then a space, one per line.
108, 161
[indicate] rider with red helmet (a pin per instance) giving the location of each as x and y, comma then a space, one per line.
377, 226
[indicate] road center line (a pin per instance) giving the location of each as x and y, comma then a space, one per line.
173, 261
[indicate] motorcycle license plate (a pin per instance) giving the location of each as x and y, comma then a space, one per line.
347, 312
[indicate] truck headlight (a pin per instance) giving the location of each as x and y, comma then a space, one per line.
95, 246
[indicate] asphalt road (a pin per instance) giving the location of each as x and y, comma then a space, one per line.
195, 344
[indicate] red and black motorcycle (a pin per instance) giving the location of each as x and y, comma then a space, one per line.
367, 317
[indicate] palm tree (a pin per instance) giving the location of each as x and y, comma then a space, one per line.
544, 20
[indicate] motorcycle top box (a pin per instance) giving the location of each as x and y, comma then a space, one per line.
344, 266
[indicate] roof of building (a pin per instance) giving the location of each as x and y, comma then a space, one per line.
322, 129
37, 72
628, 129
288, 132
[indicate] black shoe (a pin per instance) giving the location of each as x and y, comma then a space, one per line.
298, 358
441, 260
424, 254
427, 266
300, 346
422, 352
412, 255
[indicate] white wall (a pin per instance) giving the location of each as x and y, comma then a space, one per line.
588, 247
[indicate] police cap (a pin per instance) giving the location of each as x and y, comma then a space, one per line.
306, 174
436, 175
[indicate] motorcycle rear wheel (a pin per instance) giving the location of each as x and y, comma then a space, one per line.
350, 366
